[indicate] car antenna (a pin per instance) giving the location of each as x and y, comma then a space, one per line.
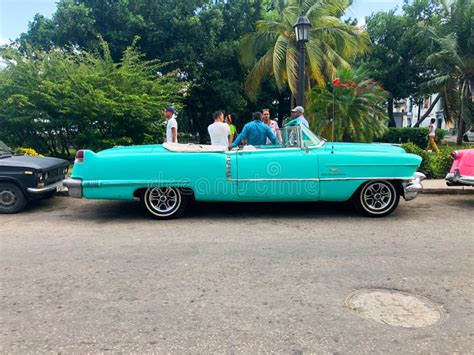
333, 118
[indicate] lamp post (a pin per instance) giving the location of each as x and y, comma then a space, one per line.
302, 29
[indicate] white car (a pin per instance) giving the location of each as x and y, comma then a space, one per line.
469, 135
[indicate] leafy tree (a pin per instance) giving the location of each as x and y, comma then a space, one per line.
57, 101
357, 104
272, 51
453, 59
398, 56
196, 38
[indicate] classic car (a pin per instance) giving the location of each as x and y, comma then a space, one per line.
462, 169
27, 178
303, 167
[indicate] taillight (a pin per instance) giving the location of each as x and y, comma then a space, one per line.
79, 157
454, 154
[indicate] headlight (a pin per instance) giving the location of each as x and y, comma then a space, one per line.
40, 177
46, 176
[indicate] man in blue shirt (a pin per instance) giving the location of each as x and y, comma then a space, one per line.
255, 132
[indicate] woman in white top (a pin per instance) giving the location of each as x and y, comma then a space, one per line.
220, 131
432, 137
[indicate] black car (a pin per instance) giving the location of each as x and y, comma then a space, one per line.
26, 178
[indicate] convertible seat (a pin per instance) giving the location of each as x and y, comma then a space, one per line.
190, 148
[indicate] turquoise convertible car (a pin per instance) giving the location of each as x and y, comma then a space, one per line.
303, 167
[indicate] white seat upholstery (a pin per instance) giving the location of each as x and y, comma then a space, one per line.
194, 148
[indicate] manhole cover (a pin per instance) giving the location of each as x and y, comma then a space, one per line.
395, 308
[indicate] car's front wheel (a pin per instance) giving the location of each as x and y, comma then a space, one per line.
376, 198
12, 199
164, 202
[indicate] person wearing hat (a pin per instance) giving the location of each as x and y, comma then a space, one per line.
298, 117
171, 126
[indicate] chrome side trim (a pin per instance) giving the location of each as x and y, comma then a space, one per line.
368, 178
47, 188
99, 183
266, 180
227, 167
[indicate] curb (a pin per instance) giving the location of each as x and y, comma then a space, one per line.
448, 191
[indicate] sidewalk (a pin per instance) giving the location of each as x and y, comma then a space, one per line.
440, 187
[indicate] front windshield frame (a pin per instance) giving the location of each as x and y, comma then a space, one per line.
314, 140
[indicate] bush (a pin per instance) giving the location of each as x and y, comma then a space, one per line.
434, 166
417, 136
27, 151
425, 163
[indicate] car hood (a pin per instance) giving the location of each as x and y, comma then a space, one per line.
38, 163
364, 147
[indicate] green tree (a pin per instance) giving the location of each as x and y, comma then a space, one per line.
453, 60
57, 102
398, 56
272, 51
357, 105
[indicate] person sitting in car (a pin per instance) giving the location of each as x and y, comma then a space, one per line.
255, 132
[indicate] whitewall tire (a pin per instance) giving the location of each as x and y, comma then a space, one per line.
164, 202
377, 198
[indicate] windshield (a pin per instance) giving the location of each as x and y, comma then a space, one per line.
309, 139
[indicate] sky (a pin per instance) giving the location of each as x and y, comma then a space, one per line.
15, 14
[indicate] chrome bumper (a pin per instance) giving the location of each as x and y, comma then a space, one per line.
413, 186
74, 187
456, 178
47, 188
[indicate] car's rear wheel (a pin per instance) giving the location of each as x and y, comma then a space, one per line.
12, 199
164, 202
377, 198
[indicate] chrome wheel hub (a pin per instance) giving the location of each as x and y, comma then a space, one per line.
378, 196
163, 199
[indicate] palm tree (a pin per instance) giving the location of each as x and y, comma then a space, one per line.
272, 50
453, 59
357, 104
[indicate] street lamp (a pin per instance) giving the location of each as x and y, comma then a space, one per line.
302, 29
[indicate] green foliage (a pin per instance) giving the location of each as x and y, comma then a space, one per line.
196, 38
271, 51
416, 136
58, 101
435, 166
360, 114
452, 56
398, 57
415, 149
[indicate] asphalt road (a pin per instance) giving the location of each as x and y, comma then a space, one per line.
100, 276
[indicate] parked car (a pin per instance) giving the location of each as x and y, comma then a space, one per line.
303, 167
26, 178
469, 135
462, 169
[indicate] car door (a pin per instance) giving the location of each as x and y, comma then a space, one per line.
278, 174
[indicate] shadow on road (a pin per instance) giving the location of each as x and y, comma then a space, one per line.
103, 211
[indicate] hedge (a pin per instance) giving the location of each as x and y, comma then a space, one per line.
434, 166
417, 136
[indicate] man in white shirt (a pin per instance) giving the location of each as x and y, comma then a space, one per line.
220, 131
298, 114
171, 126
